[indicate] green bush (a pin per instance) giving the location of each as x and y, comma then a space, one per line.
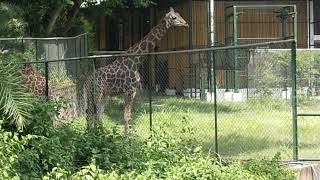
108, 155
74, 152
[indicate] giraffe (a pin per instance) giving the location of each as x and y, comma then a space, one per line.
122, 76
35, 82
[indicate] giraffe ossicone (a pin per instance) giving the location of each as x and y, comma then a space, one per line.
122, 76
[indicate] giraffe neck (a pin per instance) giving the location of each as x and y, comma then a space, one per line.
27, 69
148, 43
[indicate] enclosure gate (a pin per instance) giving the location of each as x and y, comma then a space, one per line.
307, 148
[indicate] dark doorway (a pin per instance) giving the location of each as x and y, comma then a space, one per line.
115, 33
162, 75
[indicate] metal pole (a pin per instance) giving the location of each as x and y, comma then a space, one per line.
22, 45
190, 41
294, 100
75, 55
295, 23
235, 43
283, 17
210, 43
36, 44
150, 91
46, 72
215, 103
79, 62
247, 73
58, 57
308, 22
94, 89
227, 51
86, 44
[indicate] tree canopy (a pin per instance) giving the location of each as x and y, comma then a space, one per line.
44, 18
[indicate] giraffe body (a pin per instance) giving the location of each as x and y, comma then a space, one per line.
122, 76
36, 85
35, 82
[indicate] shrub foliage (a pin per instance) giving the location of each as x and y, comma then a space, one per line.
74, 152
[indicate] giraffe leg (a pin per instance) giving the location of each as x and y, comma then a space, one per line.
128, 101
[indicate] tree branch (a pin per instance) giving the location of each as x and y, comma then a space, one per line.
75, 10
53, 19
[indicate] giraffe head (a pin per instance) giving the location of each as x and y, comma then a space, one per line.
173, 18
27, 69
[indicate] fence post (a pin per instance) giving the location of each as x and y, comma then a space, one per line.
58, 57
22, 44
150, 90
235, 43
86, 44
213, 63
46, 72
36, 44
294, 100
94, 88
36, 53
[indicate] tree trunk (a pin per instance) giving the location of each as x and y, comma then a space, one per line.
74, 13
53, 19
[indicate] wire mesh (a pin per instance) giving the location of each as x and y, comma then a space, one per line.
254, 107
175, 93
58, 78
175, 90
308, 90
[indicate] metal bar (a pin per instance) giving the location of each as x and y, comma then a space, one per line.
58, 56
190, 40
216, 144
283, 18
80, 55
247, 74
150, 92
295, 23
86, 45
226, 21
175, 52
308, 114
36, 54
57, 44
211, 73
46, 72
266, 38
235, 43
106, 52
263, 6
211, 39
94, 88
22, 45
195, 81
75, 54
53, 38
294, 100
309, 159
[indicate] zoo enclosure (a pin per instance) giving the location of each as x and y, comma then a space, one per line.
222, 120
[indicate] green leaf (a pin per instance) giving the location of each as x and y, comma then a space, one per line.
14, 101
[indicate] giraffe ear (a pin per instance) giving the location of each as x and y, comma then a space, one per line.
171, 9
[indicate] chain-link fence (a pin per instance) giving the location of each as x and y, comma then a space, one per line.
236, 101
58, 77
308, 89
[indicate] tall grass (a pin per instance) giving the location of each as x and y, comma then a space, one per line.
255, 128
